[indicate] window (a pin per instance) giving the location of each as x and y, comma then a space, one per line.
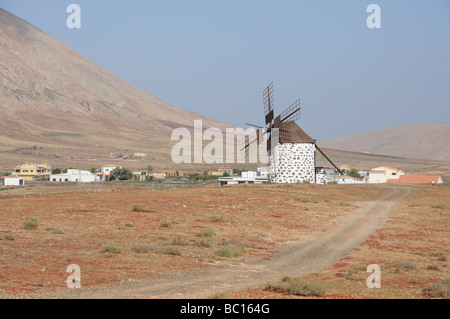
393, 174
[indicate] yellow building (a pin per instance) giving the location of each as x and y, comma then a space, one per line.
225, 170
30, 171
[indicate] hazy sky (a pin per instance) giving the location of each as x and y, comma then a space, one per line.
216, 57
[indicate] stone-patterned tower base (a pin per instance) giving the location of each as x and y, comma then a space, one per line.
293, 163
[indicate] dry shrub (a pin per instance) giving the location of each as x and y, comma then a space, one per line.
296, 286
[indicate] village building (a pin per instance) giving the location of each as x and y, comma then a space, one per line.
417, 179
323, 174
259, 177
75, 176
12, 181
225, 170
106, 170
381, 174
30, 171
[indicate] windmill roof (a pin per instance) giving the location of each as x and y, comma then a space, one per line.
297, 135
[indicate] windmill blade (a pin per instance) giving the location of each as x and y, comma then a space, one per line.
285, 132
268, 98
292, 113
257, 126
277, 122
252, 142
321, 152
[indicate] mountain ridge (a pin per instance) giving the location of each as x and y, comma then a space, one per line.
421, 141
56, 99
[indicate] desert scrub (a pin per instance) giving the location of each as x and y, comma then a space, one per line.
433, 267
179, 241
216, 218
352, 274
54, 230
229, 251
206, 233
171, 251
439, 290
296, 286
142, 249
31, 223
204, 243
404, 265
129, 225
302, 200
344, 204
165, 224
9, 237
138, 208
220, 295
111, 249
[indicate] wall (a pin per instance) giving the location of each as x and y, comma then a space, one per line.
293, 163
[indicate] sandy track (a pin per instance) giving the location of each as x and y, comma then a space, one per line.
294, 259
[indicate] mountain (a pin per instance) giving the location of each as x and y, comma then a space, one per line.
59, 107
423, 141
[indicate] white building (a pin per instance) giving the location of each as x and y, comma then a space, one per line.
74, 176
258, 177
381, 174
12, 181
106, 170
325, 175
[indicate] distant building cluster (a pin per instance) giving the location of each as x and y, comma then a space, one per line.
225, 175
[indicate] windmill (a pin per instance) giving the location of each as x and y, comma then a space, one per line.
293, 157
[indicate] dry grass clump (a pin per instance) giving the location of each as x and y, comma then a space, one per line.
138, 208
179, 241
31, 223
206, 233
439, 290
142, 249
352, 274
171, 251
298, 287
54, 230
229, 251
111, 249
165, 224
9, 237
403, 265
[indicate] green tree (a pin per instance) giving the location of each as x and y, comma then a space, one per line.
56, 171
121, 174
150, 169
354, 173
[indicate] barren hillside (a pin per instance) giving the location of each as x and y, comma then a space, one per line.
424, 141
57, 106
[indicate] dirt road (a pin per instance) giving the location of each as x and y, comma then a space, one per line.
294, 259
